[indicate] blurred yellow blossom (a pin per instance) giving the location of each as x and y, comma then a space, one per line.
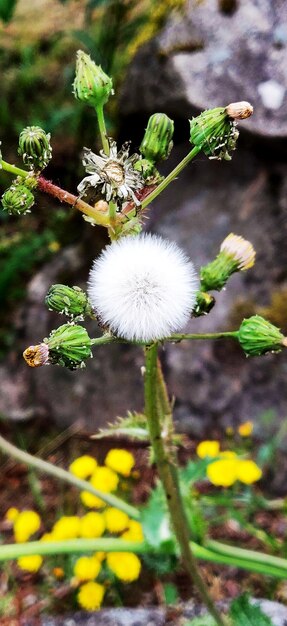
91, 501
134, 532
121, 461
248, 472
26, 524
91, 595
117, 521
227, 454
104, 479
67, 527
87, 568
11, 514
125, 565
245, 429
54, 246
83, 466
222, 473
207, 449
47, 537
92, 525
100, 556
58, 572
30, 563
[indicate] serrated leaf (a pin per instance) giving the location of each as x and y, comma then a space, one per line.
155, 521
134, 426
245, 613
7, 8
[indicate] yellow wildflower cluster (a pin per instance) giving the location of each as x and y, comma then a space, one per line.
228, 468
125, 565
26, 523
91, 595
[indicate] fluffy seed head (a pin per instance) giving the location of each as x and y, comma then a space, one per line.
144, 288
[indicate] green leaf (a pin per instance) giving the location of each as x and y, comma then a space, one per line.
7, 8
170, 593
133, 426
155, 521
245, 613
194, 471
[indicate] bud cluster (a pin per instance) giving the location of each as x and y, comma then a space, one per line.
68, 346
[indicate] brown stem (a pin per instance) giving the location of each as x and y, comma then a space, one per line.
65, 196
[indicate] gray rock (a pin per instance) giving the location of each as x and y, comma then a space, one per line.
211, 58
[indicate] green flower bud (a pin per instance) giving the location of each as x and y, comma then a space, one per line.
214, 130
236, 255
204, 303
157, 142
71, 301
69, 346
91, 84
258, 336
17, 199
35, 147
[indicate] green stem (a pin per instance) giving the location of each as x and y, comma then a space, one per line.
101, 341
168, 475
12, 169
249, 562
221, 335
71, 546
102, 128
241, 553
61, 474
166, 181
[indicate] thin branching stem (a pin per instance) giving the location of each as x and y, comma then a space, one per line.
61, 474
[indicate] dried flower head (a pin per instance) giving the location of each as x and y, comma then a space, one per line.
36, 356
113, 176
144, 288
239, 110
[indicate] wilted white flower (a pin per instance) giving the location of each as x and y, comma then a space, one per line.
144, 288
241, 250
113, 176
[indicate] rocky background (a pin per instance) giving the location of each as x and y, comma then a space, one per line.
218, 53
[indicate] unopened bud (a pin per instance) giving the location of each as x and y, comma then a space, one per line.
91, 85
214, 130
35, 147
239, 110
236, 255
69, 346
17, 199
204, 303
157, 142
257, 336
71, 301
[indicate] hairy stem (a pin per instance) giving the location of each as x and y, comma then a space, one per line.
168, 475
102, 129
168, 179
57, 192
221, 335
61, 474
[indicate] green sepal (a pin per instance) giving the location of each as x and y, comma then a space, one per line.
91, 85
17, 199
34, 147
215, 275
214, 132
69, 346
71, 301
157, 141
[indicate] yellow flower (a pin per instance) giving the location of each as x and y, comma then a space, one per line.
87, 568
91, 501
125, 565
54, 246
207, 449
26, 524
67, 527
83, 466
245, 429
100, 556
222, 473
229, 431
103, 479
227, 454
92, 525
30, 563
134, 532
47, 537
91, 595
120, 461
248, 472
117, 521
11, 514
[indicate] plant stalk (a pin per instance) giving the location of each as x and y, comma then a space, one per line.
168, 475
61, 474
168, 179
102, 129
